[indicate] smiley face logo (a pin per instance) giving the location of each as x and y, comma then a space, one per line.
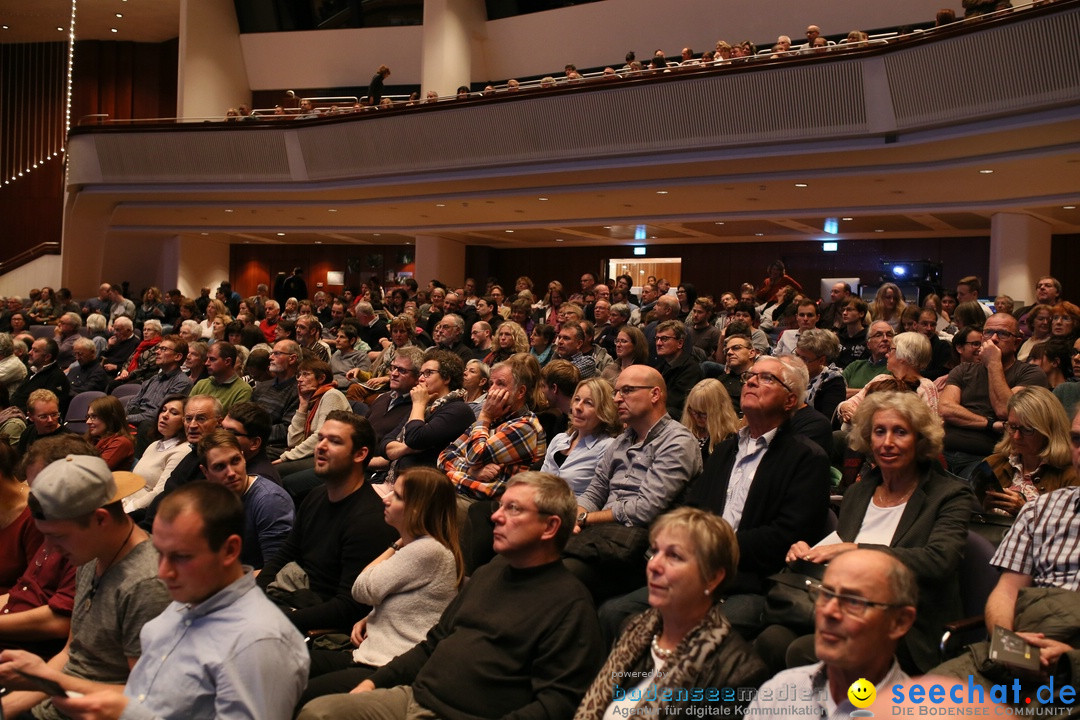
862, 693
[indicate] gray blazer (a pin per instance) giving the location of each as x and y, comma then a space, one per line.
930, 540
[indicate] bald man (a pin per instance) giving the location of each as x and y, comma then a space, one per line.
639, 477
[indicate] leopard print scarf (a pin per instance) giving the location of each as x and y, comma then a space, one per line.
636, 641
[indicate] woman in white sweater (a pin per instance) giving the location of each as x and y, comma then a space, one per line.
408, 586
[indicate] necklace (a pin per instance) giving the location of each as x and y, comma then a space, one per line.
887, 501
660, 652
95, 582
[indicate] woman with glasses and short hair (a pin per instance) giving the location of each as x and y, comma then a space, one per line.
908, 506
1033, 456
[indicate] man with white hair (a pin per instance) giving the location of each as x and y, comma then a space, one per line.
86, 373
12, 369
122, 343
67, 331
269, 323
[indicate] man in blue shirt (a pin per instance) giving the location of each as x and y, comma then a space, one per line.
221, 648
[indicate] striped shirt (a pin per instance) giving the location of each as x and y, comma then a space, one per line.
1044, 541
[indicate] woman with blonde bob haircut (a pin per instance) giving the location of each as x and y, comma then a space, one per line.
1033, 456
683, 640
709, 415
594, 423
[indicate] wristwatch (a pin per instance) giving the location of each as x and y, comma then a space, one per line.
582, 518
990, 419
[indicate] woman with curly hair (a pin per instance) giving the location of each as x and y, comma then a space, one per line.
888, 305
510, 339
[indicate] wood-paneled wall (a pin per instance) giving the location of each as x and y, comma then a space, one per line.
250, 265
716, 268
124, 79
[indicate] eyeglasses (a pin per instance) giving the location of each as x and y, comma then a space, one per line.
166, 348
237, 433
733, 348
89, 416
428, 373
398, 370
664, 338
1024, 430
991, 332
852, 605
973, 343
512, 509
764, 378
697, 413
627, 389
279, 352
49, 416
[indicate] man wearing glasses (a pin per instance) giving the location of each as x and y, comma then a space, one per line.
279, 396
974, 403
640, 476
168, 380
679, 369
769, 483
863, 607
859, 372
533, 656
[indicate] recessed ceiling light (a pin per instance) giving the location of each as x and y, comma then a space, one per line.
113, 30
60, 29
508, 231
558, 239
879, 230
204, 233
119, 15
440, 205
718, 223
1068, 207
378, 234
331, 210
986, 172
661, 192
607, 227
318, 242
542, 198
4, 27
281, 234
228, 210
759, 234
800, 185
847, 218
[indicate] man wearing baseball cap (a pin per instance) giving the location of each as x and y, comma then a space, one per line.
76, 505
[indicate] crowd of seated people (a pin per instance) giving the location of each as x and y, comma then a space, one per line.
724, 54
653, 458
